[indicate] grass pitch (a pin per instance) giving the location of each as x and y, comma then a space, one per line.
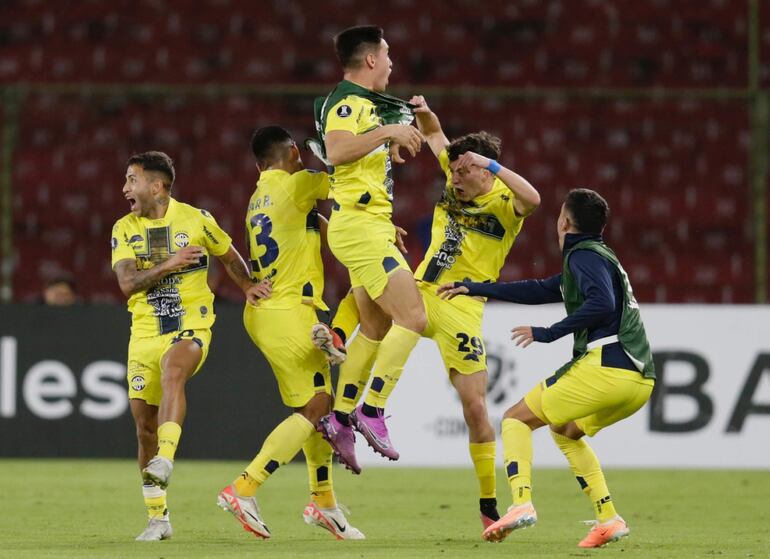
93, 508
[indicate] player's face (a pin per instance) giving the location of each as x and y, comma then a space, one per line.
383, 65
468, 182
138, 190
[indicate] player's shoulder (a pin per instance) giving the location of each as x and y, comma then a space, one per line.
192, 212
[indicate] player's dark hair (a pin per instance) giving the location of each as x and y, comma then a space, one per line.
268, 144
354, 43
482, 143
158, 162
62, 278
588, 210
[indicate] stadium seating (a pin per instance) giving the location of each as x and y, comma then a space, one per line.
674, 172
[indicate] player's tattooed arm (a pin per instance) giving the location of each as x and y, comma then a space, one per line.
238, 271
133, 281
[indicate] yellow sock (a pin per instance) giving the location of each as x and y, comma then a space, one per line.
318, 455
168, 439
588, 472
154, 500
517, 450
483, 456
346, 318
354, 372
394, 350
280, 446
246, 486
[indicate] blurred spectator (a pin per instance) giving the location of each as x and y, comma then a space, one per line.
60, 291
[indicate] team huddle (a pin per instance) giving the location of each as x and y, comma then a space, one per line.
161, 250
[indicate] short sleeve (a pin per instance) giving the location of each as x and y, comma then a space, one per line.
121, 250
308, 186
215, 240
345, 115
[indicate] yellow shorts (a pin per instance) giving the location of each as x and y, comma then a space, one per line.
283, 336
592, 396
365, 244
145, 355
455, 326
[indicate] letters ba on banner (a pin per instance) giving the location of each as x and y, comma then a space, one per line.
710, 408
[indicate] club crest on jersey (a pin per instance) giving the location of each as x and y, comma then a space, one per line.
181, 239
344, 111
137, 383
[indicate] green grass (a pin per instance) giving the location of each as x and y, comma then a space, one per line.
93, 508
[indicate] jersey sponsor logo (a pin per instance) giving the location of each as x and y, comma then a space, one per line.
448, 252
165, 301
210, 235
135, 239
181, 239
137, 383
344, 111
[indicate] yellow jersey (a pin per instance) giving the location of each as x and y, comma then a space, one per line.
315, 273
366, 183
470, 240
182, 300
278, 239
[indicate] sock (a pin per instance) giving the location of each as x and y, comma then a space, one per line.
318, 456
280, 446
346, 318
354, 373
517, 449
483, 456
588, 472
394, 350
154, 500
168, 439
488, 507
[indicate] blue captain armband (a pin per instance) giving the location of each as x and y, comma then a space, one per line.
493, 167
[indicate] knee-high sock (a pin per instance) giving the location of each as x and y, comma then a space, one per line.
168, 439
588, 472
280, 446
354, 372
483, 456
346, 318
318, 455
394, 350
517, 451
154, 500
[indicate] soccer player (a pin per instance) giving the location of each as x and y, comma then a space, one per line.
610, 376
474, 226
280, 226
362, 129
160, 254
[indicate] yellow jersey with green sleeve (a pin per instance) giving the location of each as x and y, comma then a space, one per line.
313, 290
182, 300
470, 240
366, 183
276, 229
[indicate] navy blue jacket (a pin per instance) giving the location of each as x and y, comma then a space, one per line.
600, 312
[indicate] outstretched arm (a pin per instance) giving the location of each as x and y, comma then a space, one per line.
429, 125
525, 292
133, 281
239, 273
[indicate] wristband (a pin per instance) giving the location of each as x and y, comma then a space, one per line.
493, 167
